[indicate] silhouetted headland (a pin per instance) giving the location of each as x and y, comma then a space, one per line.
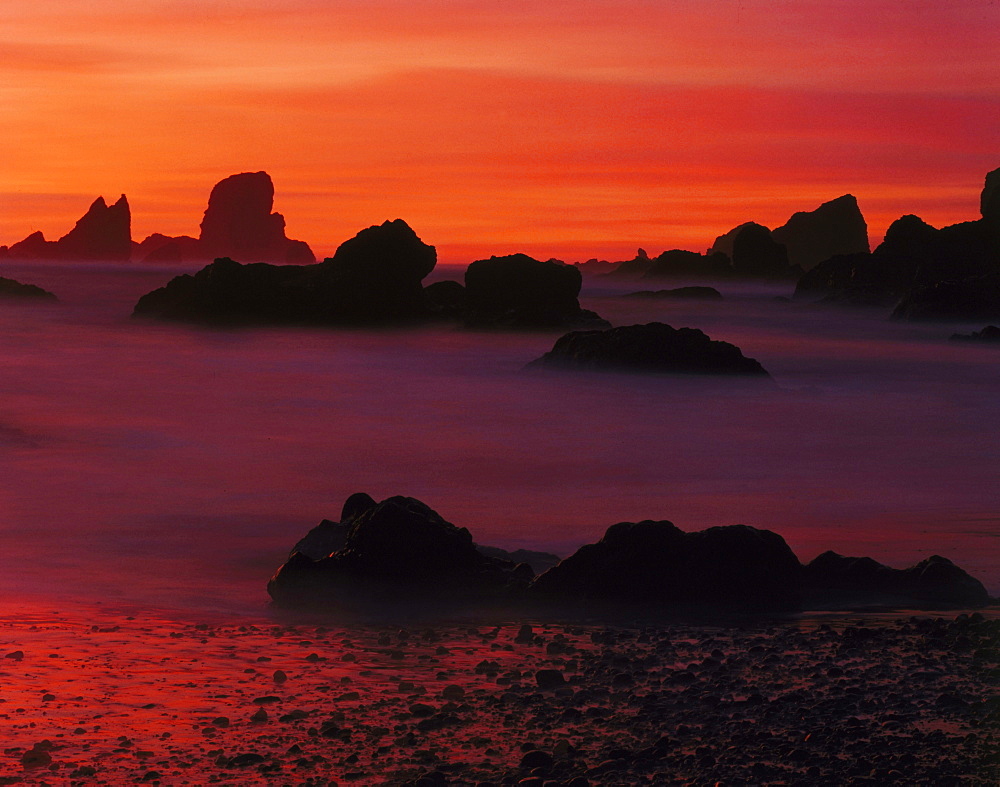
653, 347
401, 550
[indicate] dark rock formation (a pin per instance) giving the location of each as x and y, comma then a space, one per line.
835, 227
519, 292
990, 335
34, 247
239, 223
14, 289
724, 243
103, 233
446, 299
680, 293
630, 269
832, 580
376, 276
157, 248
653, 347
398, 550
654, 563
971, 299
678, 263
373, 279
989, 205
757, 255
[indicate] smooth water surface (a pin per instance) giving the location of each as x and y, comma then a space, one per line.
175, 465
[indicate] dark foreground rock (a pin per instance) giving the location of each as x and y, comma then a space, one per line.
398, 550
970, 299
653, 347
15, 290
520, 292
654, 564
402, 552
989, 335
835, 581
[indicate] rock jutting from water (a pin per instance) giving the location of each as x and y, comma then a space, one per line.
988, 335
375, 279
952, 273
400, 551
103, 233
520, 292
650, 348
15, 290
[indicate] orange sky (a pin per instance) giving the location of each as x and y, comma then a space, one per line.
566, 129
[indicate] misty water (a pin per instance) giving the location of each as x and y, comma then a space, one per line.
172, 465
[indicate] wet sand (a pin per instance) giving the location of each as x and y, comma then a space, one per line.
95, 695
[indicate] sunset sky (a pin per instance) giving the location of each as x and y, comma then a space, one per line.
562, 129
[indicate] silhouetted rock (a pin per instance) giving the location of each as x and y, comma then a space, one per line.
679, 263
680, 293
373, 279
239, 223
329, 537
103, 233
376, 275
989, 204
966, 300
14, 289
634, 268
653, 347
654, 563
398, 550
831, 580
446, 299
757, 255
157, 248
724, 243
519, 292
990, 335
835, 227
34, 247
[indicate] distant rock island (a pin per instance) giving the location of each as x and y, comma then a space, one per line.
238, 222
752, 251
652, 348
400, 550
15, 290
103, 233
375, 278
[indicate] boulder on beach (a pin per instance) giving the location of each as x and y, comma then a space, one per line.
398, 550
520, 292
654, 347
832, 580
653, 563
988, 335
373, 279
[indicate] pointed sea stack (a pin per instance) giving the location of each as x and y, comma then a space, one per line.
103, 233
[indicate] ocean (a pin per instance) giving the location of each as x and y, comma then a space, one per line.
171, 465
